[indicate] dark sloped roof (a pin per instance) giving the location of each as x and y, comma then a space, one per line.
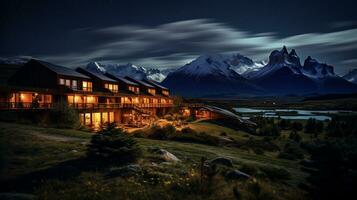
98, 75
61, 70
228, 113
140, 82
154, 83
122, 79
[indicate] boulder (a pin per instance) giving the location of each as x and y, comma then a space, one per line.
125, 171
236, 174
165, 155
221, 161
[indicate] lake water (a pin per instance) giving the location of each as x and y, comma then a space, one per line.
295, 113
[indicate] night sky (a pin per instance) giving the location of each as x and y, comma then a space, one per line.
171, 33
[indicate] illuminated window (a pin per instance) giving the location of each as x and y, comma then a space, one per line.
87, 119
111, 87
87, 86
134, 89
61, 81
70, 99
111, 117
152, 91
68, 83
165, 92
105, 117
74, 84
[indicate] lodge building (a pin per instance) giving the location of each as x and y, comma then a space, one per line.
98, 98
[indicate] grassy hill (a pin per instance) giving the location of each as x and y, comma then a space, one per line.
48, 163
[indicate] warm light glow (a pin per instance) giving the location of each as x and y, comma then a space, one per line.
87, 86
152, 91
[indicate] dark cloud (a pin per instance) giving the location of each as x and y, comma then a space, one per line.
176, 43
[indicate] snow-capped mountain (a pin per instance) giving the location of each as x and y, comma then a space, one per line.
351, 76
284, 74
208, 75
129, 69
313, 69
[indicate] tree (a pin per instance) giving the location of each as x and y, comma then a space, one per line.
112, 145
297, 126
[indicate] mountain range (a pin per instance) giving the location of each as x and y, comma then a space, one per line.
209, 75
130, 70
234, 75
213, 75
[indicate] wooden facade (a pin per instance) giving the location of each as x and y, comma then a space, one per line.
98, 98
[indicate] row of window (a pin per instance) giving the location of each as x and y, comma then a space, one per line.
135, 100
111, 87
86, 85
134, 89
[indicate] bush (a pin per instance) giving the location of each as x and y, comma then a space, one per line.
284, 124
297, 126
161, 133
291, 151
258, 151
249, 169
64, 116
294, 136
264, 145
274, 173
190, 135
313, 126
113, 145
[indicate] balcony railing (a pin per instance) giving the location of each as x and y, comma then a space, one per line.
22, 105
25, 105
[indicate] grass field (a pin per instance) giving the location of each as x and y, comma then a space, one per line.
27, 150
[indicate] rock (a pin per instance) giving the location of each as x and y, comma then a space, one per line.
74, 151
125, 171
17, 196
169, 157
222, 161
236, 174
165, 155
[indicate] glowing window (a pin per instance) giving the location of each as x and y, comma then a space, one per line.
61, 81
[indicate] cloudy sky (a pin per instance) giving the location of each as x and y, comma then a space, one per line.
171, 33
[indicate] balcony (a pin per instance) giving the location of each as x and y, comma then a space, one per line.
80, 106
25, 105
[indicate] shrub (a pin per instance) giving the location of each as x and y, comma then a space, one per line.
64, 116
291, 151
274, 173
249, 169
297, 126
263, 144
284, 124
189, 135
258, 151
313, 126
113, 145
161, 133
295, 136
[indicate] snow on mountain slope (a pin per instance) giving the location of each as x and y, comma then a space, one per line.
278, 60
208, 75
351, 76
284, 74
129, 69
